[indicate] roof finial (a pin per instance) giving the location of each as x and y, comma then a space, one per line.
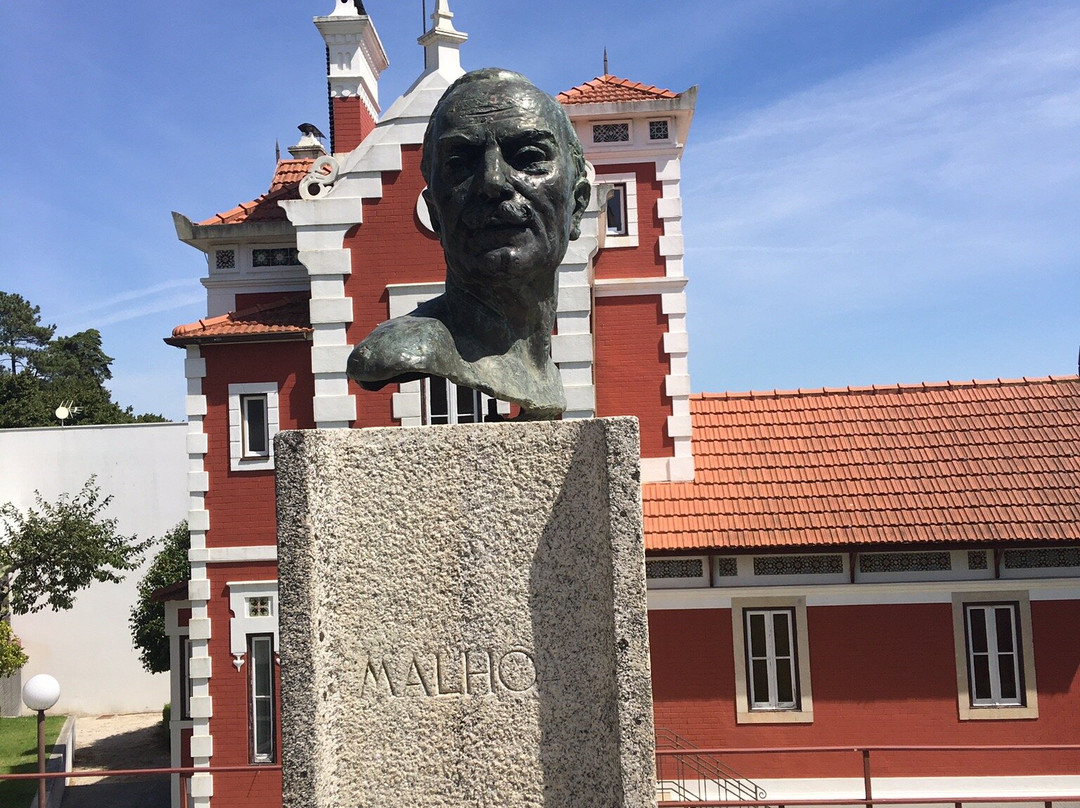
605, 61
441, 42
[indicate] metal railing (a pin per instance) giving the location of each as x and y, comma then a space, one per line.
867, 798
185, 773
713, 776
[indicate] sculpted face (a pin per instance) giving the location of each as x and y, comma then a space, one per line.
503, 189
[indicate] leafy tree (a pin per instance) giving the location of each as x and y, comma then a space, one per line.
51, 552
12, 656
21, 331
147, 621
38, 372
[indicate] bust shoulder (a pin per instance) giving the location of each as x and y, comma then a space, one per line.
401, 349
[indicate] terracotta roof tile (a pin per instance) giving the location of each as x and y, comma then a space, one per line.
951, 462
608, 88
287, 318
284, 185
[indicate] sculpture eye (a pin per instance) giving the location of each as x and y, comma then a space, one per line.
530, 158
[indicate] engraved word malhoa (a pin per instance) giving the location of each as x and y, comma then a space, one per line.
449, 673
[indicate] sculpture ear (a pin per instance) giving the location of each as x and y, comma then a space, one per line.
582, 194
435, 225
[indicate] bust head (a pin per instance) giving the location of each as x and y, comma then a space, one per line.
506, 192
506, 180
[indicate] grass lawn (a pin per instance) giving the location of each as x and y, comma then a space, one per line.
18, 754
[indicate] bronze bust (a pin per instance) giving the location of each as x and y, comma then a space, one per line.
506, 191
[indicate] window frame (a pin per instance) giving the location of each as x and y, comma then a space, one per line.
1020, 605
240, 458
452, 415
746, 712
255, 757
246, 432
617, 192
628, 180
186, 685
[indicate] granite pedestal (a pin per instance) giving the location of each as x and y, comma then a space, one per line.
463, 617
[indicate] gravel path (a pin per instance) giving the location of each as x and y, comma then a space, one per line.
135, 741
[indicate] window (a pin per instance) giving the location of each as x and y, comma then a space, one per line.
261, 697
253, 417
253, 422
446, 403
658, 130
185, 678
620, 193
616, 210
995, 666
993, 655
611, 133
772, 661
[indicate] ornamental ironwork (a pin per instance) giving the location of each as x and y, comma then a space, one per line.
658, 130
1042, 558
727, 567
799, 565
905, 562
275, 257
611, 133
674, 568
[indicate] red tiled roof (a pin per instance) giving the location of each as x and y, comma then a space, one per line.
954, 462
288, 318
607, 88
285, 185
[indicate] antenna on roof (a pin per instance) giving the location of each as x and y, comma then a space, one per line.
605, 61
277, 150
423, 17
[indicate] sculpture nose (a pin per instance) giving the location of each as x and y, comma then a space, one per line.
494, 181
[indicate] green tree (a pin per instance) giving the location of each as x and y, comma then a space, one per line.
51, 552
21, 331
12, 656
38, 372
147, 621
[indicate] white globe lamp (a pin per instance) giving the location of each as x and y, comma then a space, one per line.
41, 692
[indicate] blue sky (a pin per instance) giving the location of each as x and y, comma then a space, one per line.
874, 192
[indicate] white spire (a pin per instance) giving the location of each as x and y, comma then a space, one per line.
442, 43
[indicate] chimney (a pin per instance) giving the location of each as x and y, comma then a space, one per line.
354, 61
309, 146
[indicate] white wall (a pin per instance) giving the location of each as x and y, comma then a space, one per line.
88, 649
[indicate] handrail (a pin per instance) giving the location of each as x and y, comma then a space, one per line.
938, 799
726, 780
867, 798
183, 771
772, 750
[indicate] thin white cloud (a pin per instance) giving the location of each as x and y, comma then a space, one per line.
959, 157
135, 303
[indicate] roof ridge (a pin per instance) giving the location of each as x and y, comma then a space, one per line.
886, 388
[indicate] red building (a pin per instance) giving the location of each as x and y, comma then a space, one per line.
848, 526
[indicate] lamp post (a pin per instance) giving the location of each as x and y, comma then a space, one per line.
41, 693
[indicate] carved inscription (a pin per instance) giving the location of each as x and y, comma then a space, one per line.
448, 673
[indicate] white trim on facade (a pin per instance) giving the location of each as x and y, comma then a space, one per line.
862, 594
244, 621
199, 628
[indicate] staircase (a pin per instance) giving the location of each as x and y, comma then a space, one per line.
691, 776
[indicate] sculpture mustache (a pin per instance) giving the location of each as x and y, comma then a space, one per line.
509, 212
